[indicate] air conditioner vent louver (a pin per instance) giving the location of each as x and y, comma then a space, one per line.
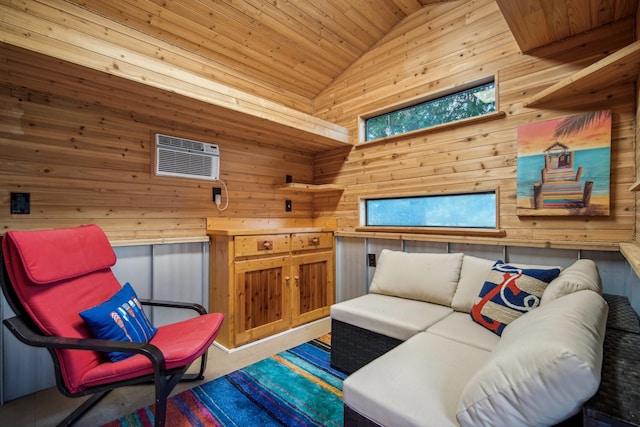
186, 158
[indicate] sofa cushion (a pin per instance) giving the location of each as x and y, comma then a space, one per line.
582, 274
420, 276
460, 327
545, 366
473, 272
398, 318
417, 383
508, 292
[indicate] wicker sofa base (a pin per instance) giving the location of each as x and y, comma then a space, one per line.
353, 347
353, 418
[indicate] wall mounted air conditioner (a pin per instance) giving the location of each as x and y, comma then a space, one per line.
186, 158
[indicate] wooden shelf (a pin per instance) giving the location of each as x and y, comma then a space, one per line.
635, 186
496, 240
253, 226
311, 188
621, 66
470, 232
631, 251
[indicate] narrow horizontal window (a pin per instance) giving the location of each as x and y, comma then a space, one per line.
468, 210
462, 103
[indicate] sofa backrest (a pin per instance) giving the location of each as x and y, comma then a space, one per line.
429, 277
456, 279
582, 274
473, 273
545, 366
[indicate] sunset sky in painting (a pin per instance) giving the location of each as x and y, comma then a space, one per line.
534, 138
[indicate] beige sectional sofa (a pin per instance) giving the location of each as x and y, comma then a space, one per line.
419, 358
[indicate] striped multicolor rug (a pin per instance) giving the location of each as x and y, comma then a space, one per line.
297, 387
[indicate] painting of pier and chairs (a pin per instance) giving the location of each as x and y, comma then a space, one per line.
564, 166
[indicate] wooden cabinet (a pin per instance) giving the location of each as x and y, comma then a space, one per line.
262, 300
313, 275
268, 283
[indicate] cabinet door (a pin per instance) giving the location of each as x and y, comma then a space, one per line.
262, 298
312, 288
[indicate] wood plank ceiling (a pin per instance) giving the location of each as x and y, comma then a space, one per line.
536, 23
266, 59
299, 47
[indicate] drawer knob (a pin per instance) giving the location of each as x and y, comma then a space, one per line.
313, 241
265, 245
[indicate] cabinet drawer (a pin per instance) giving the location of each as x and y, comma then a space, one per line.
261, 245
307, 241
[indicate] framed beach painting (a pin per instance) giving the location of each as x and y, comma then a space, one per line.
564, 166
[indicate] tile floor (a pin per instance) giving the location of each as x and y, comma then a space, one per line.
48, 407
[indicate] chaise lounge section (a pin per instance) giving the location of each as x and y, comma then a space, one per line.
429, 345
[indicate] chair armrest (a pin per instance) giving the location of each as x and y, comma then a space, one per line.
174, 304
27, 333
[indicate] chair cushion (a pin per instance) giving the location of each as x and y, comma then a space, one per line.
28, 255
508, 292
35, 248
420, 276
545, 366
120, 318
181, 343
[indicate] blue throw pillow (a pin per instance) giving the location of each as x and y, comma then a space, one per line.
509, 292
119, 318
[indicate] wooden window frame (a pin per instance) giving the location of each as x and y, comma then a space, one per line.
456, 231
362, 119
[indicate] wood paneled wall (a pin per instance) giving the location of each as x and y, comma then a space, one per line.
80, 140
468, 41
637, 151
64, 140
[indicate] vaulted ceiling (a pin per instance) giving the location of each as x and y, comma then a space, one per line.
300, 47
266, 59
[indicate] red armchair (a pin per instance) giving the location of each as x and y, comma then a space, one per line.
50, 276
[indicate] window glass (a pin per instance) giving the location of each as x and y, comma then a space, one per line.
470, 210
472, 102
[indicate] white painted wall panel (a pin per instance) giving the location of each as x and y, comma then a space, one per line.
25, 369
425, 247
375, 246
134, 266
481, 251
179, 274
351, 268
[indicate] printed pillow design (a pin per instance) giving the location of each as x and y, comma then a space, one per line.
120, 318
508, 293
